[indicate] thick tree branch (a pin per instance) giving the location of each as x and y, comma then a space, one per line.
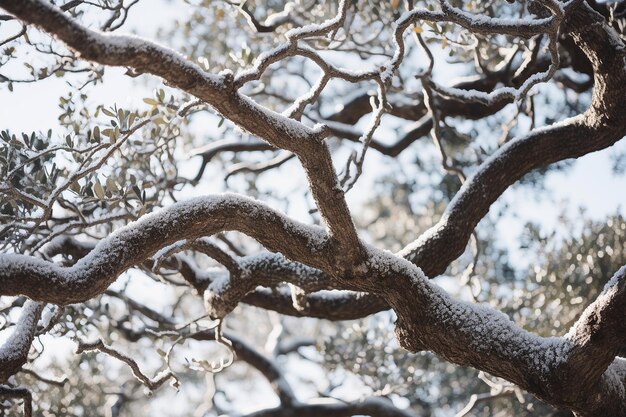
266, 270
340, 305
477, 336
599, 127
428, 318
597, 337
14, 352
219, 92
375, 407
131, 245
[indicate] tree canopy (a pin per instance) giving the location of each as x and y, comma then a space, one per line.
309, 183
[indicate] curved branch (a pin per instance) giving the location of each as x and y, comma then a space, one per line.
224, 292
266, 366
258, 167
373, 406
445, 241
131, 245
329, 305
220, 92
597, 336
21, 393
14, 352
208, 152
486, 339
151, 383
271, 23
601, 126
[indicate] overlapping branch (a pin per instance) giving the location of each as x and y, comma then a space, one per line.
151, 383
598, 128
486, 339
266, 366
315, 259
23, 394
129, 246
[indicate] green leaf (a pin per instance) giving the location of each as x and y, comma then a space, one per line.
75, 188
98, 190
150, 101
108, 112
111, 185
137, 191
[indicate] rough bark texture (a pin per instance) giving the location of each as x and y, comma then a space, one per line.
578, 371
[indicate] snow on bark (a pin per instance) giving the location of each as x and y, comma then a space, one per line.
14, 351
134, 243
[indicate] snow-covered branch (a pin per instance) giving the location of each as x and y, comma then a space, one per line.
133, 244
467, 334
219, 92
598, 128
330, 272
14, 352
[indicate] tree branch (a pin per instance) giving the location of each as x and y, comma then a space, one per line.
599, 127
266, 366
330, 305
151, 383
131, 245
14, 352
597, 337
219, 91
21, 393
373, 406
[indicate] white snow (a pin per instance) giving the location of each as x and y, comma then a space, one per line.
121, 44
19, 341
615, 279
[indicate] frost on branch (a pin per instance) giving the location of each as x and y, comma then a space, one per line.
14, 351
332, 265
